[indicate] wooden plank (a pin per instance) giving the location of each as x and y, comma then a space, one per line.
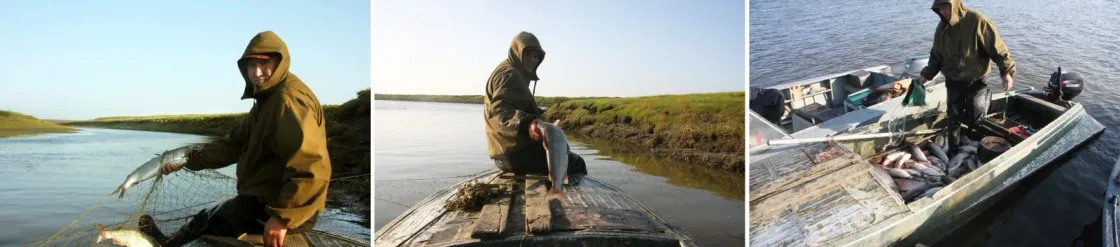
522, 177
775, 173
825, 209
538, 217
490, 221
252, 240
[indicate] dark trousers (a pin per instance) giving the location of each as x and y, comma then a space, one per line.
534, 160
968, 103
231, 218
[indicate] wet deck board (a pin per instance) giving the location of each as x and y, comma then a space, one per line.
490, 221
538, 216
595, 213
774, 173
810, 213
308, 239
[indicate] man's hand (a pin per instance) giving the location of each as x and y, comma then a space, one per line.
535, 132
274, 232
922, 80
168, 169
1008, 82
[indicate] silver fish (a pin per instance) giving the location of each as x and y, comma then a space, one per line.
938, 152
918, 154
129, 238
154, 167
930, 192
913, 172
916, 192
930, 171
556, 148
905, 156
969, 149
937, 163
898, 173
907, 184
890, 158
957, 160
948, 179
915, 164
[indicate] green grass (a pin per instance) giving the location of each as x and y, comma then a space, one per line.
704, 129
18, 124
468, 99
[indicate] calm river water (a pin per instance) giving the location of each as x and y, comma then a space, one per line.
47, 181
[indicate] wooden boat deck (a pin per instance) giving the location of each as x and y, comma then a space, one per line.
307, 239
817, 193
596, 215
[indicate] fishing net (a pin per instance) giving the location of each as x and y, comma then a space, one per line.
174, 199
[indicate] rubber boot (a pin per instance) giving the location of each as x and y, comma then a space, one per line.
954, 140
148, 226
180, 238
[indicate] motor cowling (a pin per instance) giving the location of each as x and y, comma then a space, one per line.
1064, 85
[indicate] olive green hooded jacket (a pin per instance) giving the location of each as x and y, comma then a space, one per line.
509, 106
280, 148
963, 45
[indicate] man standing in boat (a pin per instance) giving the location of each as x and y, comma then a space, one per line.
280, 148
963, 44
511, 113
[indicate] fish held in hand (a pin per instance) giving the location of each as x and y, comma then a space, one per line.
154, 167
130, 238
556, 149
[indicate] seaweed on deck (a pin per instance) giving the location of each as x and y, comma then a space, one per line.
471, 196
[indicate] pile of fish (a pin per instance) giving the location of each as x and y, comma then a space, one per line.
922, 172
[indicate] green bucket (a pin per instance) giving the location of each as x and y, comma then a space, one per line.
916, 95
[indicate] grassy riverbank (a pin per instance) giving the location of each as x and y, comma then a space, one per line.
348, 132
468, 99
703, 129
18, 124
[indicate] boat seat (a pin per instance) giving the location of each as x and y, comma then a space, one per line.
817, 113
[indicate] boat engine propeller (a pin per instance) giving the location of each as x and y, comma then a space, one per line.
1064, 86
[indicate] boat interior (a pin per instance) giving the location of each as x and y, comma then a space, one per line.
815, 193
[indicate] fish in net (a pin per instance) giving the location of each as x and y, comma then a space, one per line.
172, 200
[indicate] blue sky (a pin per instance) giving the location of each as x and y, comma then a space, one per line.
595, 48
87, 59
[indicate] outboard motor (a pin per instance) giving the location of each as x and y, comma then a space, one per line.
914, 65
1064, 86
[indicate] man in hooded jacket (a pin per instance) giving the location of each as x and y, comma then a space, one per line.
511, 113
281, 150
963, 44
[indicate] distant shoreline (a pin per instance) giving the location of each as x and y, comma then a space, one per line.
701, 129
14, 124
467, 99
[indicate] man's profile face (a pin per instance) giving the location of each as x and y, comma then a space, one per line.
258, 68
532, 59
944, 10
